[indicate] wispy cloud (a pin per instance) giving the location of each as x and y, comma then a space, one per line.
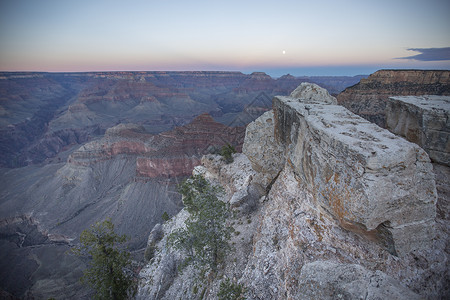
429, 54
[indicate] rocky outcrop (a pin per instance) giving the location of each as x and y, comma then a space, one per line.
366, 177
329, 280
260, 145
261, 148
368, 98
333, 219
310, 92
423, 121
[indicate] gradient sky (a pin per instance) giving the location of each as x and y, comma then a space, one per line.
299, 37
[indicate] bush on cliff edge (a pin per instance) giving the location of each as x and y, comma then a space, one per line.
205, 238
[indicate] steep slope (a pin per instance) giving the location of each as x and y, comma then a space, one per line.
128, 175
328, 206
368, 97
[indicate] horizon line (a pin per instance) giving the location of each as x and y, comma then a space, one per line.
280, 72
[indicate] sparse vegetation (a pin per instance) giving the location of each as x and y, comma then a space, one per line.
230, 291
165, 216
109, 273
227, 152
205, 238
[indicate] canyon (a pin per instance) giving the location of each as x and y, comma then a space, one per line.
328, 206
44, 114
80, 147
77, 148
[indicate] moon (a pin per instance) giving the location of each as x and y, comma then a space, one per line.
284, 52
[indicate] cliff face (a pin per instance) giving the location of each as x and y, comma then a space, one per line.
328, 206
368, 98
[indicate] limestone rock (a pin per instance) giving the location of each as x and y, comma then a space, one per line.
422, 120
366, 177
243, 186
260, 146
311, 92
286, 232
293, 231
329, 280
157, 278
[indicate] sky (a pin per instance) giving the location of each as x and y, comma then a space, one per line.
315, 37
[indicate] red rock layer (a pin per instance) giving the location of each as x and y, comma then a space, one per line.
165, 167
169, 154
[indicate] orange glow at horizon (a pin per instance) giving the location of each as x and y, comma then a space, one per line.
177, 35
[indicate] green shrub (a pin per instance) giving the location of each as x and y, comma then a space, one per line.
230, 291
165, 216
205, 238
227, 152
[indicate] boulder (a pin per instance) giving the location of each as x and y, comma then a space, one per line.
311, 92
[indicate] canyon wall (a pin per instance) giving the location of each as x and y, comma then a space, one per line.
368, 98
170, 154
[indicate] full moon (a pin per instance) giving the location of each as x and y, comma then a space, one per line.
284, 51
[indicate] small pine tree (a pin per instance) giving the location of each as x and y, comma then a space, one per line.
227, 153
205, 238
107, 273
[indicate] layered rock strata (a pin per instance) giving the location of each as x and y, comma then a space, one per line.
368, 98
169, 154
424, 121
42, 115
